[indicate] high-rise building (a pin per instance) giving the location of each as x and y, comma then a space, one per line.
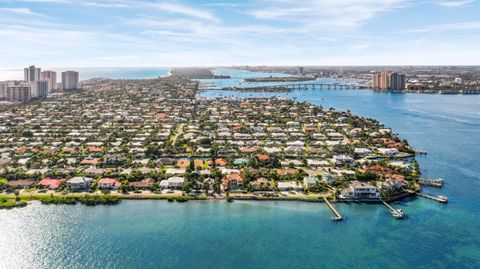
31, 73
380, 81
39, 88
20, 92
51, 77
70, 80
3, 87
388, 81
397, 82
301, 71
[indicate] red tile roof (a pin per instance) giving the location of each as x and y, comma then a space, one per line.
50, 183
107, 181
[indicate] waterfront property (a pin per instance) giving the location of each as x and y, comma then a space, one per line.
163, 139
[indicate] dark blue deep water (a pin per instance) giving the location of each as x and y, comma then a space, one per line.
158, 234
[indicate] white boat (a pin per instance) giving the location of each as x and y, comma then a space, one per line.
398, 213
443, 198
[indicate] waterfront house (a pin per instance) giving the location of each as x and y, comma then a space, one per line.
234, 181
289, 186
109, 183
360, 190
172, 183
262, 184
392, 184
79, 183
50, 183
389, 152
145, 184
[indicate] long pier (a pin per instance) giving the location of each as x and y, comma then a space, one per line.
337, 217
441, 199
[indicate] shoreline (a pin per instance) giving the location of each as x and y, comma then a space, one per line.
48, 198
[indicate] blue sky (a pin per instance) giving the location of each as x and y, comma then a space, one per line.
103, 33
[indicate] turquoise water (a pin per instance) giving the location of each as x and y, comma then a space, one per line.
158, 234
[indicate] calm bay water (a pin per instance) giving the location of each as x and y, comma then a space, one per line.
158, 234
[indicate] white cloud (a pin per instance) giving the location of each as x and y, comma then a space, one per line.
471, 25
454, 3
166, 6
183, 9
333, 13
19, 11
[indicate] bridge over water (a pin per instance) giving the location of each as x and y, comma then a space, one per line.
321, 86
299, 86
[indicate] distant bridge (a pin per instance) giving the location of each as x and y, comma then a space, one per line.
299, 86
322, 86
313, 86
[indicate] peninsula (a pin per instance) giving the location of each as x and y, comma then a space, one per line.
155, 139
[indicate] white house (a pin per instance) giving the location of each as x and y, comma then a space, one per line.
79, 183
362, 151
288, 186
389, 152
360, 190
172, 183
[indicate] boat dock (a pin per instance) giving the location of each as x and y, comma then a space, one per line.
440, 198
421, 152
396, 213
337, 217
436, 182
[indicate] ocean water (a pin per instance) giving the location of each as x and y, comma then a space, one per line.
246, 234
105, 72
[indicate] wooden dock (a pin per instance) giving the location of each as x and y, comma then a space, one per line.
441, 199
337, 216
396, 213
